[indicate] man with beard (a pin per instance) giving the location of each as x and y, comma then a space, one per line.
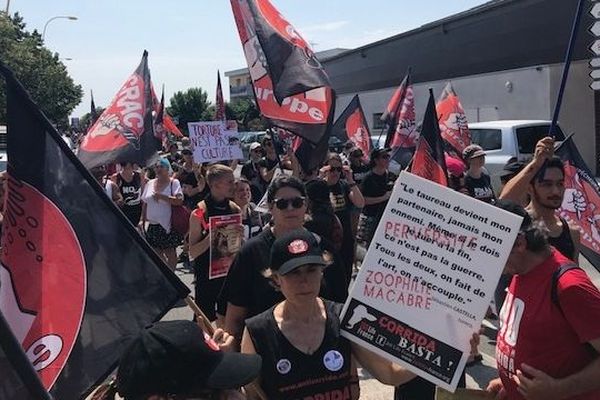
544, 178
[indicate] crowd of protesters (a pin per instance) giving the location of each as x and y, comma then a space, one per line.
282, 295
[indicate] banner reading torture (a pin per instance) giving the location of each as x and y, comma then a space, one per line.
428, 278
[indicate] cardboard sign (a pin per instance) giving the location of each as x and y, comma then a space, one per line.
428, 277
215, 141
225, 241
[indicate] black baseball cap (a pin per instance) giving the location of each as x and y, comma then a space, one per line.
295, 249
177, 357
379, 152
512, 168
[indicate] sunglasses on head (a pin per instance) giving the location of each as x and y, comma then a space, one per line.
283, 204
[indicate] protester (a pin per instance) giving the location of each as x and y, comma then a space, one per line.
548, 344
221, 183
376, 189
544, 179
345, 196
269, 163
477, 180
192, 183
173, 156
252, 220
176, 359
110, 188
251, 172
299, 339
130, 184
159, 195
346, 151
359, 168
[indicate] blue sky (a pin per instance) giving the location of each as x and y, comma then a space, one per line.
188, 40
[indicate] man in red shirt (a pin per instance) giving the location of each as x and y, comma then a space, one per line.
546, 348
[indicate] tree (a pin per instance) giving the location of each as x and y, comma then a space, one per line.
42, 73
190, 106
86, 119
244, 111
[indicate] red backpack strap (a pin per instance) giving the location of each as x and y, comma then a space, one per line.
200, 213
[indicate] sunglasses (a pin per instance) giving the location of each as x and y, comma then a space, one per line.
283, 204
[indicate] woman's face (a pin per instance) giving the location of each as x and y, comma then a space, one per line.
289, 217
242, 194
303, 283
477, 162
161, 170
335, 170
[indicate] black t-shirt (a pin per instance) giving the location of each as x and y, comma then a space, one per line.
207, 290
480, 188
359, 172
340, 199
251, 172
287, 373
189, 178
131, 192
375, 185
269, 164
252, 222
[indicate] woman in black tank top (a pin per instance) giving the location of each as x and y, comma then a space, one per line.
304, 355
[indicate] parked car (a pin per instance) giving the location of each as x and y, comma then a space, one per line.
505, 139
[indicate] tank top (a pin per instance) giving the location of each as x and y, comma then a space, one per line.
132, 197
287, 373
564, 242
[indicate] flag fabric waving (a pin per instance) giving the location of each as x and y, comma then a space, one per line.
166, 122
453, 120
291, 88
77, 279
429, 161
581, 201
19, 379
219, 101
399, 117
352, 126
93, 114
124, 131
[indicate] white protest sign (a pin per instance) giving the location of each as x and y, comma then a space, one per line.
214, 141
428, 278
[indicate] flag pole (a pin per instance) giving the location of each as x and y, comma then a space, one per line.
566, 67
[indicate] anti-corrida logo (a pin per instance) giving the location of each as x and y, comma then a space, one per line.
43, 277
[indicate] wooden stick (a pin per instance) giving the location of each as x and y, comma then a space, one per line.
200, 316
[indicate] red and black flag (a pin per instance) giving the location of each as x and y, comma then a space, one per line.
399, 117
352, 126
291, 87
77, 279
219, 101
453, 121
581, 201
19, 380
93, 114
124, 131
428, 160
162, 119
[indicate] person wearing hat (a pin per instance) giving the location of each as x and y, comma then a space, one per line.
251, 172
177, 360
477, 180
376, 189
549, 341
299, 339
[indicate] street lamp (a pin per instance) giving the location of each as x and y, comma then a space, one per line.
72, 18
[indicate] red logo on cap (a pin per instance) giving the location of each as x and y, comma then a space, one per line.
297, 246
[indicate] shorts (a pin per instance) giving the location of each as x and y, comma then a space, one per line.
366, 229
158, 238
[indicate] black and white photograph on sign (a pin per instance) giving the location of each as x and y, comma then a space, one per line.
428, 277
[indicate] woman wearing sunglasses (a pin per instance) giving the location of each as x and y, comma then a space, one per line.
246, 290
345, 196
299, 338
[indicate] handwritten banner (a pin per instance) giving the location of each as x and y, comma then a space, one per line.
215, 141
428, 277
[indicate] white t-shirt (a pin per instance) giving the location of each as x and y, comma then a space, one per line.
159, 212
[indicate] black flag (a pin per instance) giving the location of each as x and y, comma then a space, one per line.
581, 201
429, 161
352, 126
78, 281
93, 114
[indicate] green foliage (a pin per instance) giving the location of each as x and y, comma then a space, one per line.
190, 106
244, 111
85, 121
42, 73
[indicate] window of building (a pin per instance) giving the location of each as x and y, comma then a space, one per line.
238, 81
